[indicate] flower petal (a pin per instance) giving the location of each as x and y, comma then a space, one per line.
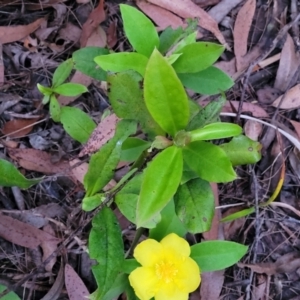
170, 292
148, 252
177, 244
144, 282
188, 277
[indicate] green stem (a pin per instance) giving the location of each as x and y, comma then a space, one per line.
137, 236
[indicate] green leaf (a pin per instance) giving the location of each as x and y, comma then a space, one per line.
172, 58
161, 179
189, 39
10, 296
168, 38
209, 161
195, 205
84, 62
239, 214
197, 57
242, 151
103, 163
132, 148
210, 81
46, 91
10, 176
90, 203
62, 72
70, 89
187, 175
106, 246
124, 61
129, 265
169, 223
139, 30
54, 108
215, 131
77, 123
118, 287
165, 96
209, 114
126, 97
46, 99
217, 255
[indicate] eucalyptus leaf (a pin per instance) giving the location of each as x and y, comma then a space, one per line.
77, 123
210, 81
197, 57
54, 108
126, 97
139, 30
70, 89
160, 182
217, 255
106, 247
62, 72
209, 161
170, 223
10, 176
215, 131
168, 38
209, 114
103, 163
195, 205
84, 62
123, 61
242, 151
165, 96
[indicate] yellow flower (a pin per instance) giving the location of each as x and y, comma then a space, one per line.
167, 271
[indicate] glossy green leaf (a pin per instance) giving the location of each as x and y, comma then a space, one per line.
132, 148
129, 265
242, 151
103, 163
239, 214
209, 114
77, 123
161, 179
70, 89
62, 72
10, 176
165, 96
189, 39
209, 161
172, 58
210, 81
123, 61
44, 90
197, 57
10, 295
169, 223
195, 205
217, 255
118, 287
126, 97
139, 30
106, 247
168, 38
215, 131
46, 99
188, 175
54, 108
84, 62
90, 203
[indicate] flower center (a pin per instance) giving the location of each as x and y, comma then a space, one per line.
166, 271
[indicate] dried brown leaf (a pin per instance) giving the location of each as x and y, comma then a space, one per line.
253, 129
103, 133
296, 125
96, 17
75, 286
48, 248
23, 234
288, 65
291, 99
9, 34
79, 171
221, 10
18, 127
162, 17
188, 9
287, 263
241, 30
